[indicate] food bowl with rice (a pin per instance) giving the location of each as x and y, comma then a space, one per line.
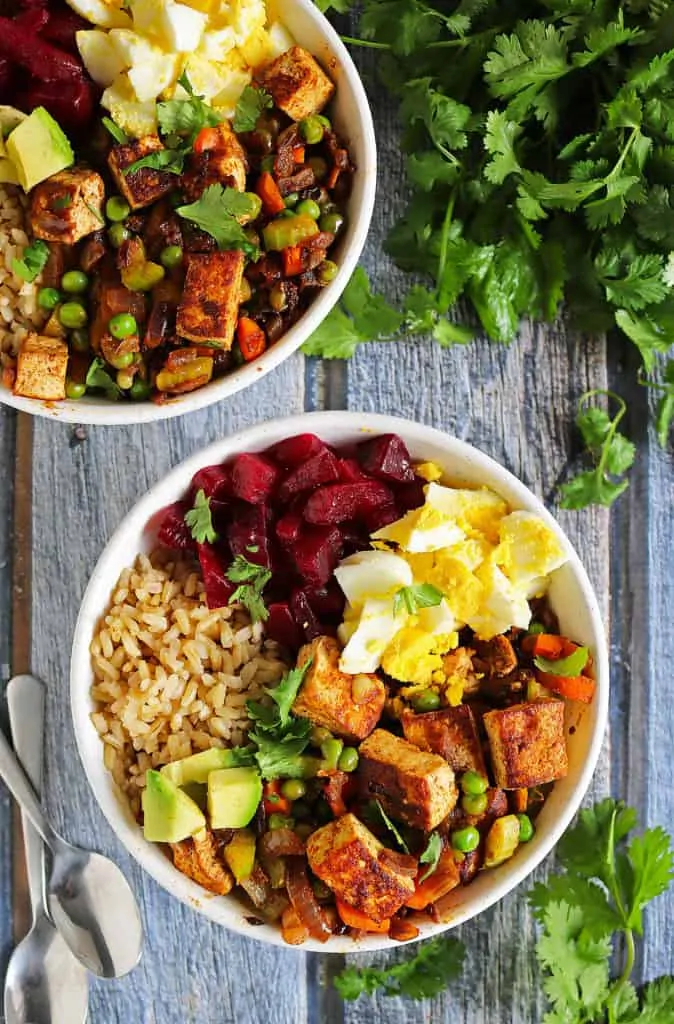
333, 639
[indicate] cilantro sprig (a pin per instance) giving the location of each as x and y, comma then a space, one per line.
252, 580
251, 103
424, 975
186, 117
200, 520
419, 595
215, 212
612, 452
98, 378
431, 855
665, 409
280, 738
33, 261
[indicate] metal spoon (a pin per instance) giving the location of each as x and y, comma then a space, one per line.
44, 984
90, 901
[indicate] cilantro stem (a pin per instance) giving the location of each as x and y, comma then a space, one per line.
365, 42
606, 444
444, 243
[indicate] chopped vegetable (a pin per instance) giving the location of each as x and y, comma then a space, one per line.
200, 520
293, 260
572, 665
268, 191
580, 688
357, 919
251, 338
287, 231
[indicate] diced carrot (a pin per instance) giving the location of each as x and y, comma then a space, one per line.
273, 800
298, 154
332, 178
251, 338
445, 878
357, 919
520, 799
208, 138
268, 191
293, 260
580, 688
548, 645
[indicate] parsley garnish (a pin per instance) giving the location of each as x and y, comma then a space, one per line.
118, 135
421, 595
431, 855
252, 102
200, 520
62, 202
572, 665
252, 580
186, 116
279, 738
33, 262
393, 829
98, 377
170, 160
216, 211
613, 453
283, 695
422, 976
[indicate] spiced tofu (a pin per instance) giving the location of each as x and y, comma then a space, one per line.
41, 368
349, 706
209, 305
527, 742
451, 733
198, 859
145, 185
67, 206
348, 858
298, 85
224, 164
412, 785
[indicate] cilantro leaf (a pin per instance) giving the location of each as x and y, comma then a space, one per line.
658, 1002
360, 316
200, 521
243, 571
33, 261
117, 133
614, 455
420, 595
215, 212
186, 116
280, 755
572, 665
283, 695
251, 103
252, 580
172, 161
652, 863
393, 829
431, 855
99, 378
422, 976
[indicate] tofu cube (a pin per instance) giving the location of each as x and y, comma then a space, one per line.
347, 857
68, 206
528, 746
328, 697
298, 85
412, 785
209, 306
451, 733
224, 164
41, 368
146, 185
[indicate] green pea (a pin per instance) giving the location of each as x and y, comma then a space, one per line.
73, 315
474, 804
319, 166
124, 379
535, 628
324, 121
117, 208
473, 783
331, 749
74, 389
293, 789
75, 282
332, 222
122, 361
171, 256
427, 700
48, 298
123, 325
118, 234
319, 735
276, 820
311, 130
527, 829
310, 208
140, 389
348, 760
291, 200
465, 840
79, 340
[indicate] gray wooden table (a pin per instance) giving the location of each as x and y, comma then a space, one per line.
516, 404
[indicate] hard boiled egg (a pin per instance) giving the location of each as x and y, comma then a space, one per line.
480, 510
422, 529
528, 548
502, 605
376, 628
372, 574
99, 56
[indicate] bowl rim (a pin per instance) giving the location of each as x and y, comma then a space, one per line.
257, 438
102, 412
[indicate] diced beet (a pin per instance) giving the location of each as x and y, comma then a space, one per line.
382, 515
336, 503
304, 615
293, 451
355, 537
214, 481
253, 478
288, 528
327, 602
320, 469
173, 531
281, 626
316, 554
350, 472
248, 533
218, 587
387, 457
347, 451
409, 496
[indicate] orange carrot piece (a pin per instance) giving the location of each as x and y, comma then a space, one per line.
208, 138
357, 919
298, 154
273, 800
251, 338
332, 178
269, 193
293, 261
445, 878
548, 645
580, 688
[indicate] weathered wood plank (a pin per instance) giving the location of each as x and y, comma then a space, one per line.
191, 971
7, 439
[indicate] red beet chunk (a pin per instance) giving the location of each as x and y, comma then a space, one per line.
293, 451
327, 602
218, 587
214, 481
316, 554
387, 457
336, 503
248, 533
173, 530
412, 495
304, 615
288, 528
350, 472
281, 626
253, 478
319, 469
380, 516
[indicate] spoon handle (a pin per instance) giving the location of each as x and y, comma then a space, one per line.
21, 789
26, 701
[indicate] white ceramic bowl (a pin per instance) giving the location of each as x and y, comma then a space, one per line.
570, 594
351, 114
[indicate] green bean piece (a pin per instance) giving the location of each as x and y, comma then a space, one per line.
527, 829
286, 231
427, 700
74, 282
48, 298
348, 760
74, 389
73, 315
293, 789
171, 256
474, 783
117, 209
465, 840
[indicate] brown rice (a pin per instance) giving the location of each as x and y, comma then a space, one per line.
19, 311
172, 676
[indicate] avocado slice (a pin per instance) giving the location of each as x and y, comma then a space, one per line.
240, 855
169, 814
38, 148
233, 796
197, 767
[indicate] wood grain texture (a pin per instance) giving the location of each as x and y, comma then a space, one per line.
7, 441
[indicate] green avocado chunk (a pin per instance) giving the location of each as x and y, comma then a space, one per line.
197, 767
233, 796
38, 148
169, 815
